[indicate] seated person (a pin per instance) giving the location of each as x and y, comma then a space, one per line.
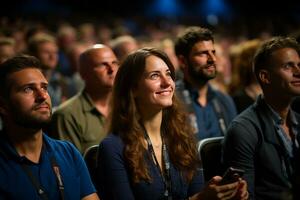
151, 153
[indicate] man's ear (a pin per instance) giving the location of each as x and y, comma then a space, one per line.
182, 61
3, 106
264, 76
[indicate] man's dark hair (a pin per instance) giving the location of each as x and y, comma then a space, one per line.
14, 64
185, 42
264, 53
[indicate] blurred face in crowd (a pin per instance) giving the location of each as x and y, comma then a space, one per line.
101, 68
47, 52
6, 51
284, 72
201, 62
28, 104
156, 86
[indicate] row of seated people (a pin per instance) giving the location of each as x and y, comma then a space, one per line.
149, 140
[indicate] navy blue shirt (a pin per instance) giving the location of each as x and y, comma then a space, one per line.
207, 118
15, 183
114, 180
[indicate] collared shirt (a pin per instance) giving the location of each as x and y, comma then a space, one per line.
278, 121
207, 119
78, 121
15, 183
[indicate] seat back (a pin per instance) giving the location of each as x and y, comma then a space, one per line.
210, 152
90, 158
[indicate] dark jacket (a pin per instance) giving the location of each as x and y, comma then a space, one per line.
253, 144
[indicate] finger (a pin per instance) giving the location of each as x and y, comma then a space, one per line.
230, 186
215, 179
227, 195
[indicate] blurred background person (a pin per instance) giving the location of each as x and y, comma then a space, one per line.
244, 87
123, 45
82, 118
44, 47
7, 48
210, 110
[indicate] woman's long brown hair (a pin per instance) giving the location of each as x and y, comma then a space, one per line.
125, 121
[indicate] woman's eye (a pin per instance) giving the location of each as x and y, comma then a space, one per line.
154, 76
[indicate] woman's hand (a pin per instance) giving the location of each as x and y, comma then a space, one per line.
236, 190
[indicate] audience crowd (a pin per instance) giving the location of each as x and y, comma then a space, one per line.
129, 86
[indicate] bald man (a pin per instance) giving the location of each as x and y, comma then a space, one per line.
81, 119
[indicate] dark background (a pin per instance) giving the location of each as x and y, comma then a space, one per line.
232, 15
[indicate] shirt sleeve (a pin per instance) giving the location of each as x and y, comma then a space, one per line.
239, 150
112, 176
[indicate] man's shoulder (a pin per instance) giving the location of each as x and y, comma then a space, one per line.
60, 146
70, 106
249, 117
221, 95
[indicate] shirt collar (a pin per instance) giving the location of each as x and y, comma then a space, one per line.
87, 102
278, 120
8, 150
195, 92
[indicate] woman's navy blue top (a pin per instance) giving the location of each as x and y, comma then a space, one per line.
114, 179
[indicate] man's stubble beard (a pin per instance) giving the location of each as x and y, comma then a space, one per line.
198, 76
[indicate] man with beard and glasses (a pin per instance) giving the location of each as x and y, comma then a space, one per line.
32, 165
210, 111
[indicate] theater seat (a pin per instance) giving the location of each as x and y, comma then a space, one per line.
90, 158
210, 152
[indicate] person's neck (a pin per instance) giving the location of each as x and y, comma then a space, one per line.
202, 92
28, 143
202, 88
101, 100
279, 105
152, 124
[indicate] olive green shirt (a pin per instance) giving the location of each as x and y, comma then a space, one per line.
78, 121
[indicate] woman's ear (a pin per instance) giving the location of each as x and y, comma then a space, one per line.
264, 76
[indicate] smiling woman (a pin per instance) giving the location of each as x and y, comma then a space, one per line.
150, 153
156, 87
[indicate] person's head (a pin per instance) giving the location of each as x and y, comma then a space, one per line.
167, 45
98, 66
44, 47
196, 54
242, 73
24, 100
277, 66
66, 36
144, 86
7, 48
123, 45
74, 53
149, 77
